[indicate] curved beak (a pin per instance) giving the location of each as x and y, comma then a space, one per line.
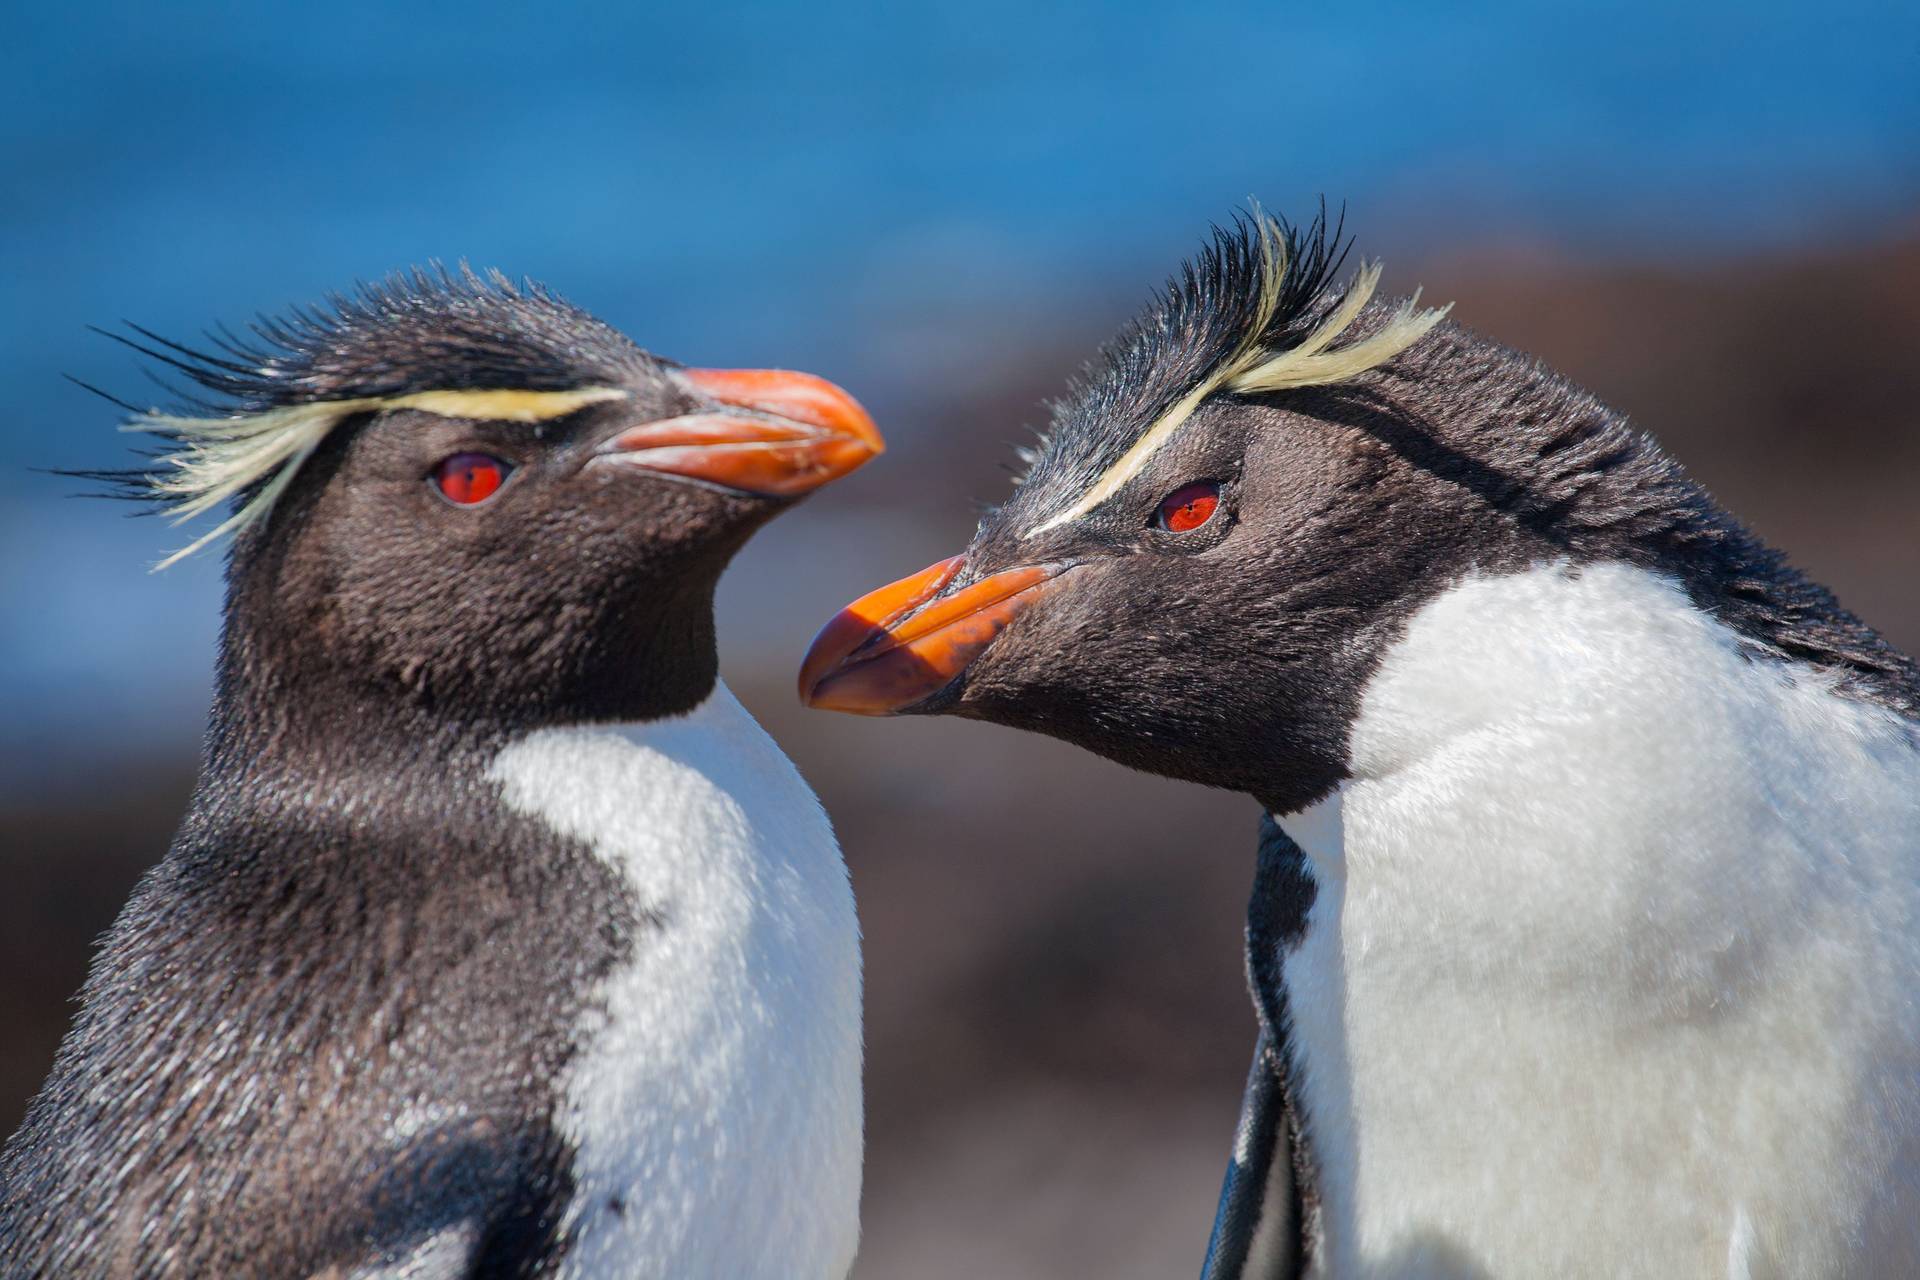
768, 431
900, 645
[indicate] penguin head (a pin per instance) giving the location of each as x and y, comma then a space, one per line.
457, 493
1191, 575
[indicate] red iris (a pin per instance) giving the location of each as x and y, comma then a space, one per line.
467, 478
1188, 507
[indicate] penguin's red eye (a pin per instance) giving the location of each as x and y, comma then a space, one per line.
467, 478
1188, 507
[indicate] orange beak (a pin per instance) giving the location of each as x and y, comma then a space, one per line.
904, 643
771, 432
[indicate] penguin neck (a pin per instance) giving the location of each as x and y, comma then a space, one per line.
286, 705
1538, 740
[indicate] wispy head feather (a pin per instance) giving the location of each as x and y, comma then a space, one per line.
259, 454
1314, 362
1255, 312
218, 458
447, 343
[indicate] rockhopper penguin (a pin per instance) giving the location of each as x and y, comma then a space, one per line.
1586, 934
498, 940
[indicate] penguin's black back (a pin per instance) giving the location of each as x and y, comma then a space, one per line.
324, 1031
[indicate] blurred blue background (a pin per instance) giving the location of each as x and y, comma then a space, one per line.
892, 195
1708, 213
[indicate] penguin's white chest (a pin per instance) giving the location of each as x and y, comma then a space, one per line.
1612, 963
715, 1103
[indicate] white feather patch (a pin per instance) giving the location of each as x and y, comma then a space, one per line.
715, 1106
1612, 960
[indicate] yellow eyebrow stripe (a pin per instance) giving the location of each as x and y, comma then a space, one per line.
218, 458
1251, 369
504, 406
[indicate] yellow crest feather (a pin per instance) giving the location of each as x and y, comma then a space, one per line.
1251, 369
219, 458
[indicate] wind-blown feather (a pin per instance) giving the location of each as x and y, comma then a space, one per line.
1255, 312
456, 344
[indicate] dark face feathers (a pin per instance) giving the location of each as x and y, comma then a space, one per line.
577, 592
1235, 655
580, 590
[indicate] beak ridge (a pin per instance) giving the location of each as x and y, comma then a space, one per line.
769, 431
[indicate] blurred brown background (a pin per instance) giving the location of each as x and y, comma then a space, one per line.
1056, 1025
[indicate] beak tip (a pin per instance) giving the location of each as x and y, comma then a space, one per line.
896, 647
823, 697
817, 699
828, 657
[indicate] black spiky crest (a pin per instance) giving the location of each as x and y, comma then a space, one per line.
434, 327
1196, 321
